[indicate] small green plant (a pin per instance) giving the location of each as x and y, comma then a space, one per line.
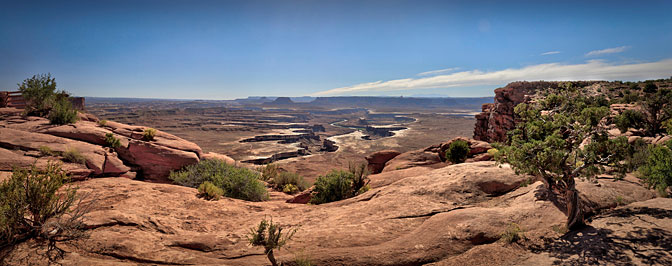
34, 205
657, 171
270, 236
149, 134
513, 233
290, 189
270, 171
102, 122
72, 155
493, 152
668, 126
235, 182
302, 260
457, 151
111, 141
338, 184
209, 191
619, 201
46, 151
62, 112
286, 181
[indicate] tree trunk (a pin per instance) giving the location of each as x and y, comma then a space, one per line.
574, 212
271, 258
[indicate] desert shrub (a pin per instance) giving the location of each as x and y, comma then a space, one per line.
360, 181
635, 86
657, 171
512, 234
46, 151
493, 152
236, 182
72, 155
637, 154
38, 91
102, 122
288, 182
148, 134
111, 141
62, 111
668, 126
629, 119
34, 204
269, 172
338, 184
334, 186
209, 191
650, 87
457, 151
270, 236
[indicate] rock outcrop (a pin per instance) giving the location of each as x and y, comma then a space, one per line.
150, 160
376, 161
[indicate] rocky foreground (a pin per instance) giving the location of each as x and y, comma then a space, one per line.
420, 210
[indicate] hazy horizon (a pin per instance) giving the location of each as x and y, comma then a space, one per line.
224, 50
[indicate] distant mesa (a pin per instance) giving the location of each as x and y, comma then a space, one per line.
282, 101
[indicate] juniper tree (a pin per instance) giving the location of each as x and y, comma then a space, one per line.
559, 139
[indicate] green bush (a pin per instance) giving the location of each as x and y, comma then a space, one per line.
668, 126
62, 111
338, 185
209, 191
148, 134
111, 141
33, 204
629, 119
457, 151
650, 87
74, 156
286, 181
270, 236
38, 92
334, 186
236, 182
657, 171
102, 123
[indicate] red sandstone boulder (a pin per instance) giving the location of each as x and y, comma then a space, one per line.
378, 159
84, 131
413, 159
303, 197
156, 161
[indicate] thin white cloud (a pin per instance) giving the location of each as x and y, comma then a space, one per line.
591, 70
439, 72
551, 52
608, 51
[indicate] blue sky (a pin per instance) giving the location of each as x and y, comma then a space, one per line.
232, 49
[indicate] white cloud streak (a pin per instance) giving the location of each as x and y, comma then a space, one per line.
591, 70
608, 51
439, 72
551, 52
